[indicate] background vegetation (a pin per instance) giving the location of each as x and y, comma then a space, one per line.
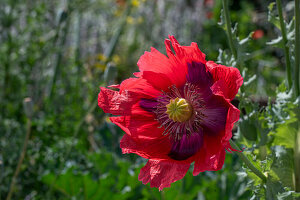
55, 54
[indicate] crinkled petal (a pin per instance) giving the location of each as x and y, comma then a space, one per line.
116, 103
121, 102
186, 54
159, 81
147, 148
211, 156
161, 174
141, 87
156, 62
227, 80
233, 116
174, 67
140, 124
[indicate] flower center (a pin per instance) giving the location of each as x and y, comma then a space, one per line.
179, 110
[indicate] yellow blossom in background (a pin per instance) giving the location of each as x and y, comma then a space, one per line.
135, 3
102, 57
130, 20
100, 66
116, 59
118, 13
140, 20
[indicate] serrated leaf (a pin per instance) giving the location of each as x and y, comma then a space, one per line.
285, 133
273, 188
276, 41
282, 165
222, 21
271, 6
247, 39
248, 128
272, 16
289, 195
225, 59
250, 80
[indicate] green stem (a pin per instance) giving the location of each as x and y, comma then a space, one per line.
285, 41
21, 159
115, 39
297, 46
297, 160
228, 27
59, 57
78, 61
249, 164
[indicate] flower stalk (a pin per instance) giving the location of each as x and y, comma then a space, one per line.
297, 160
248, 163
228, 27
285, 41
297, 47
28, 111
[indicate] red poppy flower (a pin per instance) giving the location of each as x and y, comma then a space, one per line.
175, 111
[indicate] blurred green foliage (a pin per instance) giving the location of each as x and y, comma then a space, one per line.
58, 53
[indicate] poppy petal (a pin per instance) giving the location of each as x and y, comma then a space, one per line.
141, 87
146, 148
116, 103
215, 112
158, 80
227, 80
156, 62
148, 104
187, 54
187, 146
197, 74
233, 116
161, 174
211, 157
133, 125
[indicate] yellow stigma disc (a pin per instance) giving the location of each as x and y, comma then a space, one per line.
179, 110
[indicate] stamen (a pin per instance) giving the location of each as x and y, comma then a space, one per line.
179, 111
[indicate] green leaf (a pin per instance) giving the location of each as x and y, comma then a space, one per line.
282, 165
273, 188
272, 16
285, 134
275, 42
248, 128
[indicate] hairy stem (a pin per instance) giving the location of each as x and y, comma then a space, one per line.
297, 46
21, 159
285, 41
297, 160
249, 164
228, 27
